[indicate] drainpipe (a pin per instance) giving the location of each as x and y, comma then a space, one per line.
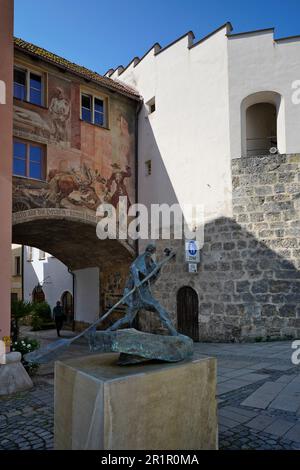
22, 271
73, 295
137, 112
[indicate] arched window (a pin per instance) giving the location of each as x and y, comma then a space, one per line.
187, 312
263, 127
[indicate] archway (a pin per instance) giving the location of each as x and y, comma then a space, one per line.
261, 128
70, 236
262, 123
187, 312
67, 305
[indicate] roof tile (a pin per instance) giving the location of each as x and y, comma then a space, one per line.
79, 70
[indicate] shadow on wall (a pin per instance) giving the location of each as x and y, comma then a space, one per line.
158, 173
246, 289
249, 280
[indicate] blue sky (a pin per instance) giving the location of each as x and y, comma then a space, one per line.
101, 33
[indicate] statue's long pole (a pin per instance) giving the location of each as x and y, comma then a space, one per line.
49, 352
146, 279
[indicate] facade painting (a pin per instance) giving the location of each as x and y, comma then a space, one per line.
86, 164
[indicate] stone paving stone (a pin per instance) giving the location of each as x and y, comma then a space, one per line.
294, 433
280, 367
285, 379
222, 428
289, 398
262, 365
253, 377
239, 382
241, 411
238, 373
222, 379
13, 413
224, 413
279, 427
260, 423
228, 423
229, 386
262, 397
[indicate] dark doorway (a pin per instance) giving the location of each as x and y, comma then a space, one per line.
38, 294
67, 305
261, 129
187, 312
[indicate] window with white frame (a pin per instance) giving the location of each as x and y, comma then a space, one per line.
29, 160
28, 86
29, 253
93, 109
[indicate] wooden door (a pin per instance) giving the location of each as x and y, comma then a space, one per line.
187, 312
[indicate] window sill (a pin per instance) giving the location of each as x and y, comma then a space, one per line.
29, 178
95, 125
41, 106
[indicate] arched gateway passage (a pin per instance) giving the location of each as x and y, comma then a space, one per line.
68, 236
71, 237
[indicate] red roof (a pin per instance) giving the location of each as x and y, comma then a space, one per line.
78, 70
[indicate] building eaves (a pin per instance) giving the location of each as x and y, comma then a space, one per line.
83, 72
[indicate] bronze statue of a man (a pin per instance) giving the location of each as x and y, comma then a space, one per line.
142, 298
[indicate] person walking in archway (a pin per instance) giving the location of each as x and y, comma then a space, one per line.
58, 315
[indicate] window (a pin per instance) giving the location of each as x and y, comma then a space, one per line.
29, 160
151, 105
29, 253
17, 265
93, 110
148, 165
14, 297
28, 86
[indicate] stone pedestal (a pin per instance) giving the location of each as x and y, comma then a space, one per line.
13, 376
100, 405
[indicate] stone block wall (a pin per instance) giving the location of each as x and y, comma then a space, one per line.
248, 282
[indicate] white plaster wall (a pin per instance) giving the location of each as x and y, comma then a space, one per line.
197, 126
87, 294
51, 273
187, 137
257, 63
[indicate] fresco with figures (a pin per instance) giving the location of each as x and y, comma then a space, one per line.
86, 164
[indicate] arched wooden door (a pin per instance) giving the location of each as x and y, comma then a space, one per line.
187, 312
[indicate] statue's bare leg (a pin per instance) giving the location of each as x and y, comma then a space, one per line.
126, 320
163, 315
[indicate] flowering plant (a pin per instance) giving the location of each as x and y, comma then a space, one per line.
24, 346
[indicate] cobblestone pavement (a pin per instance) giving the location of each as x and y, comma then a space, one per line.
258, 396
